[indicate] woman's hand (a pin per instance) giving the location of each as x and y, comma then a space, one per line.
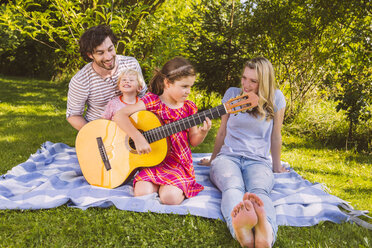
280, 169
205, 162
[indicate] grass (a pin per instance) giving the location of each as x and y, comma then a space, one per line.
33, 111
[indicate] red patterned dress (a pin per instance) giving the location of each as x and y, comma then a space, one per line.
177, 168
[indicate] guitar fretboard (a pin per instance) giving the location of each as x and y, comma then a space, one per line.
183, 124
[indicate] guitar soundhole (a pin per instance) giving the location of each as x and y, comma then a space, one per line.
131, 144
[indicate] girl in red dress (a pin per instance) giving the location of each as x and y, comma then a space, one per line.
174, 178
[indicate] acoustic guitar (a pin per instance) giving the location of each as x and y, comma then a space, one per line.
108, 157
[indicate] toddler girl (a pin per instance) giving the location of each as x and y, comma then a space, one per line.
130, 83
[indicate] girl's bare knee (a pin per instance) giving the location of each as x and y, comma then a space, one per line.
171, 200
144, 188
171, 195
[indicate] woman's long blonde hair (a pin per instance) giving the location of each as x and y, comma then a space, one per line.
266, 86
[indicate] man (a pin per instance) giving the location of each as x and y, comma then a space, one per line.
95, 84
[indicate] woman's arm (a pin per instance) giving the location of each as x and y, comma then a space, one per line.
122, 120
276, 141
220, 138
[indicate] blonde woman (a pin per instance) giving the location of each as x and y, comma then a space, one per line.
246, 153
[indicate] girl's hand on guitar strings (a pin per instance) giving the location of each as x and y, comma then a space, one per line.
207, 124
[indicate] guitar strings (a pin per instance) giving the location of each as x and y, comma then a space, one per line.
161, 132
175, 127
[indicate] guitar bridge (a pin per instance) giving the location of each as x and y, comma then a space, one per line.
103, 153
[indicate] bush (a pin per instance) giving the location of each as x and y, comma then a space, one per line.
320, 121
205, 100
29, 59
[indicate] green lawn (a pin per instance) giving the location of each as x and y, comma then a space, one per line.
33, 111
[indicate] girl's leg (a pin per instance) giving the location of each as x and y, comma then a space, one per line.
259, 180
145, 188
226, 174
171, 195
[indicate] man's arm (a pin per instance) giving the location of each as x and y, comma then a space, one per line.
76, 99
77, 121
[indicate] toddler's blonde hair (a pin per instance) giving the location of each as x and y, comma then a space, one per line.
140, 80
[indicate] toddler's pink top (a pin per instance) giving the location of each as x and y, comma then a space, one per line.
113, 106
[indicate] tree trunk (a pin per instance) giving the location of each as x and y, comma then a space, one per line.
349, 138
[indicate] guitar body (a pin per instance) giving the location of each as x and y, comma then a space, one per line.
122, 158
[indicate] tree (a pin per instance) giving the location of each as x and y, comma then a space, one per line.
352, 69
58, 24
213, 43
294, 36
319, 44
290, 34
161, 35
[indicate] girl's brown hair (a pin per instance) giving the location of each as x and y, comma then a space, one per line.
173, 70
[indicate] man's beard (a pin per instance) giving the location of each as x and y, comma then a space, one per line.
104, 66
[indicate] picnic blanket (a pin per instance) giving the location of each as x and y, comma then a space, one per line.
52, 177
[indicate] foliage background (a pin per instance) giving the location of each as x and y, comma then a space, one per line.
321, 49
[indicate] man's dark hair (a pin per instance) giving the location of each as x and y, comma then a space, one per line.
94, 37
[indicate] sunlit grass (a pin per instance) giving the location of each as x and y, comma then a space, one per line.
41, 110
345, 174
31, 112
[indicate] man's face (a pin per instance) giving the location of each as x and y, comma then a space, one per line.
104, 55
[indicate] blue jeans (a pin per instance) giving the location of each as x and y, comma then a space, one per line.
234, 176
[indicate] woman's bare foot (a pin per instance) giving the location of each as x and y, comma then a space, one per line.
244, 218
263, 235
252, 197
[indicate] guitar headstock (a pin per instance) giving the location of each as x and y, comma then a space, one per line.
241, 103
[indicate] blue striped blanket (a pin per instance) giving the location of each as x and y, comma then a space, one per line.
52, 177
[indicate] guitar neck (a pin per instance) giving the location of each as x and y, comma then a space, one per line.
183, 124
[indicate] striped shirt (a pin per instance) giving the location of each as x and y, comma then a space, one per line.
88, 88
